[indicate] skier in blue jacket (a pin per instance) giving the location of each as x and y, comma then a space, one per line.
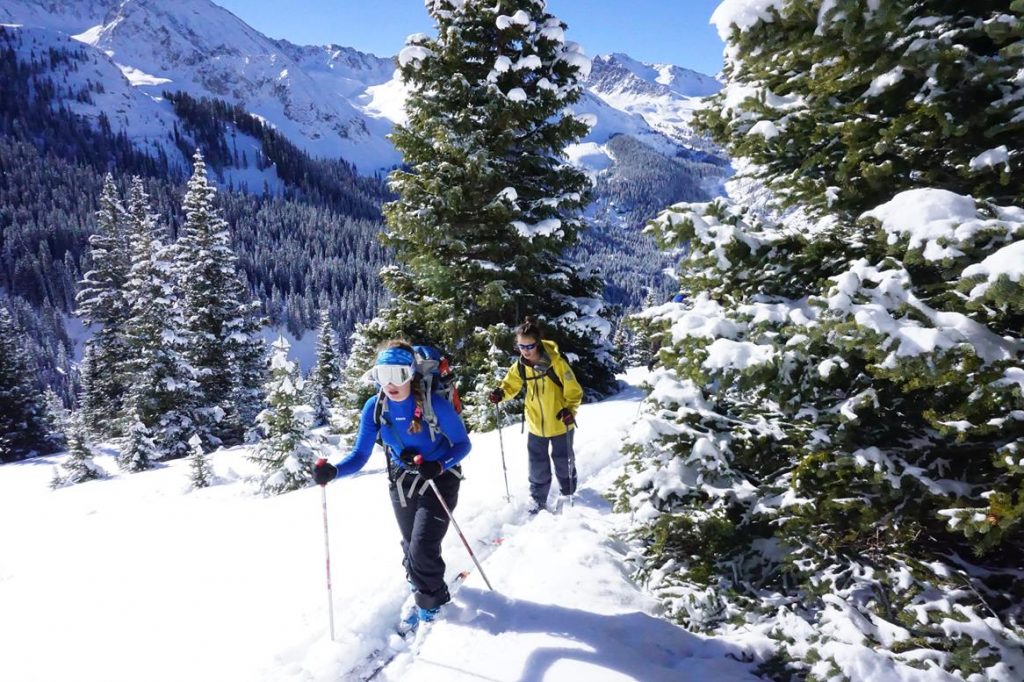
398, 423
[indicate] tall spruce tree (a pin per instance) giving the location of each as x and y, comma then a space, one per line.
285, 455
220, 330
488, 204
325, 387
163, 390
248, 352
22, 418
101, 303
838, 429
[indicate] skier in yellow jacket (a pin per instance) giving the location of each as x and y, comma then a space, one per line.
552, 397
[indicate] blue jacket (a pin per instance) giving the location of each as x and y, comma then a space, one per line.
451, 445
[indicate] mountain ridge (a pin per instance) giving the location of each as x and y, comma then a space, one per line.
330, 100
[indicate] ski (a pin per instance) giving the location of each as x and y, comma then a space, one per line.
376, 662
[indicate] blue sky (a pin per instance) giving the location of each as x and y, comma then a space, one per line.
661, 31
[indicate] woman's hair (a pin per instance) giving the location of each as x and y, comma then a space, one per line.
530, 327
416, 425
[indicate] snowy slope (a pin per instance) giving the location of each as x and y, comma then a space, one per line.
67, 16
137, 578
147, 120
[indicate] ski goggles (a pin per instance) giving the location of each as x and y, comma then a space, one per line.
396, 375
526, 346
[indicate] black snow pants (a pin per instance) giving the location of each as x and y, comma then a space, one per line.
423, 523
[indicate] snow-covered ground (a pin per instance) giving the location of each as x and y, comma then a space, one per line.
138, 578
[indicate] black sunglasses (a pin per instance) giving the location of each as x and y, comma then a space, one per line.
527, 346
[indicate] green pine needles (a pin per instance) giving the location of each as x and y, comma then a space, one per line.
834, 449
487, 203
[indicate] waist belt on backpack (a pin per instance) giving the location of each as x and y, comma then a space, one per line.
398, 475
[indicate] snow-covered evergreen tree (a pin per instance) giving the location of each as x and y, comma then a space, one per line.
23, 429
285, 455
488, 205
220, 332
101, 303
57, 419
325, 386
248, 352
138, 449
850, 128
200, 471
483, 413
836, 428
88, 400
79, 465
163, 392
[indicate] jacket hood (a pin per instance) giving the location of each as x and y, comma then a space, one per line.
550, 347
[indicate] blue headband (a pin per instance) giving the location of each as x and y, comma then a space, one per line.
395, 356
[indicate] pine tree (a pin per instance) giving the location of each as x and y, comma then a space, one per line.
325, 379
285, 455
22, 419
101, 302
88, 400
200, 471
138, 451
163, 391
248, 353
832, 431
488, 206
490, 375
79, 466
56, 419
850, 128
219, 327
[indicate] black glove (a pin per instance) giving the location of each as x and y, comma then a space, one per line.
496, 395
567, 417
324, 472
430, 469
408, 457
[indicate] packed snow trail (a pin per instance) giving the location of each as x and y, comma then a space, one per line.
138, 577
563, 607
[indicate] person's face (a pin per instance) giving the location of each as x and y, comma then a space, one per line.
529, 347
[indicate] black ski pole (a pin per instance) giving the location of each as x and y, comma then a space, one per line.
444, 505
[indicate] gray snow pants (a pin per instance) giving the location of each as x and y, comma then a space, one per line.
561, 456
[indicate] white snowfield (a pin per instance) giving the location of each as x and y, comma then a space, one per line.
138, 578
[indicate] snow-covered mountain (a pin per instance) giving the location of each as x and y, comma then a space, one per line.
329, 100
664, 95
313, 95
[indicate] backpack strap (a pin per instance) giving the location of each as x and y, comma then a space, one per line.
428, 415
550, 374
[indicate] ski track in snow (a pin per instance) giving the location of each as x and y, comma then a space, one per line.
136, 577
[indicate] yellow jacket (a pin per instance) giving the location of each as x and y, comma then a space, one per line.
544, 399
